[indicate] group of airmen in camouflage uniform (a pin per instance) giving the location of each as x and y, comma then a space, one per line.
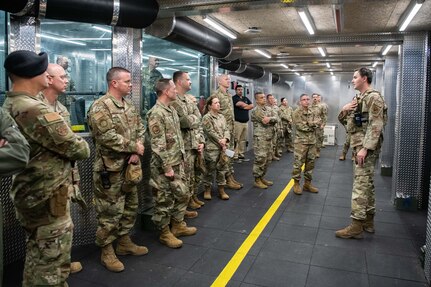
185, 149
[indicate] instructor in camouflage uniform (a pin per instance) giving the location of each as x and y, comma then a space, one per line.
118, 133
171, 194
286, 121
366, 131
263, 133
226, 109
306, 121
190, 122
41, 192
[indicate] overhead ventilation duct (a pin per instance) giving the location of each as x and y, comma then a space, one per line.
236, 66
124, 13
17, 7
252, 72
188, 33
275, 78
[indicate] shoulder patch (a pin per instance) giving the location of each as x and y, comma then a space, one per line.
97, 115
51, 117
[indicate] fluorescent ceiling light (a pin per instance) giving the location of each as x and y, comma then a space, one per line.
413, 10
100, 49
375, 64
158, 57
188, 54
89, 39
284, 66
263, 53
102, 29
296, 73
189, 67
62, 40
328, 65
322, 52
332, 73
307, 22
386, 50
219, 27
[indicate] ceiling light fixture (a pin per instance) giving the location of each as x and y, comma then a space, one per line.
158, 57
188, 54
296, 73
102, 29
328, 65
100, 49
62, 40
321, 51
219, 27
284, 66
375, 64
172, 69
189, 67
386, 50
307, 20
332, 73
263, 53
408, 15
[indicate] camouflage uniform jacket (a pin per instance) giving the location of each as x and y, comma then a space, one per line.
286, 114
373, 108
52, 146
305, 121
226, 107
57, 107
322, 112
116, 127
265, 131
167, 143
215, 129
190, 121
150, 78
14, 155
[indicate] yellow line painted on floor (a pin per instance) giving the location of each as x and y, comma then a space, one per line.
245, 247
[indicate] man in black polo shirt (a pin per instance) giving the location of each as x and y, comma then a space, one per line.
241, 107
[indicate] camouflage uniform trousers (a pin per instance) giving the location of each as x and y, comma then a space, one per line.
304, 154
280, 142
48, 245
363, 194
171, 197
288, 139
319, 137
116, 208
346, 143
215, 165
262, 150
274, 142
190, 171
231, 146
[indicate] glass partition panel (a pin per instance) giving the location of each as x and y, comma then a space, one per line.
84, 51
3, 52
162, 58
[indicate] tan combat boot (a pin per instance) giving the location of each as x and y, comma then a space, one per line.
192, 204
181, 229
125, 246
223, 195
368, 224
342, 156
235, 181
110, 260
168, 239
75, 267
310, 187
207, 193
230, 183
190, 214
266, 182
297, 187
259, 184
354, 230
196, 199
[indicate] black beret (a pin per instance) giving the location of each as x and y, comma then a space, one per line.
26, 64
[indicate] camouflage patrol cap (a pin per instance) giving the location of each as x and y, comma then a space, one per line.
26, 64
